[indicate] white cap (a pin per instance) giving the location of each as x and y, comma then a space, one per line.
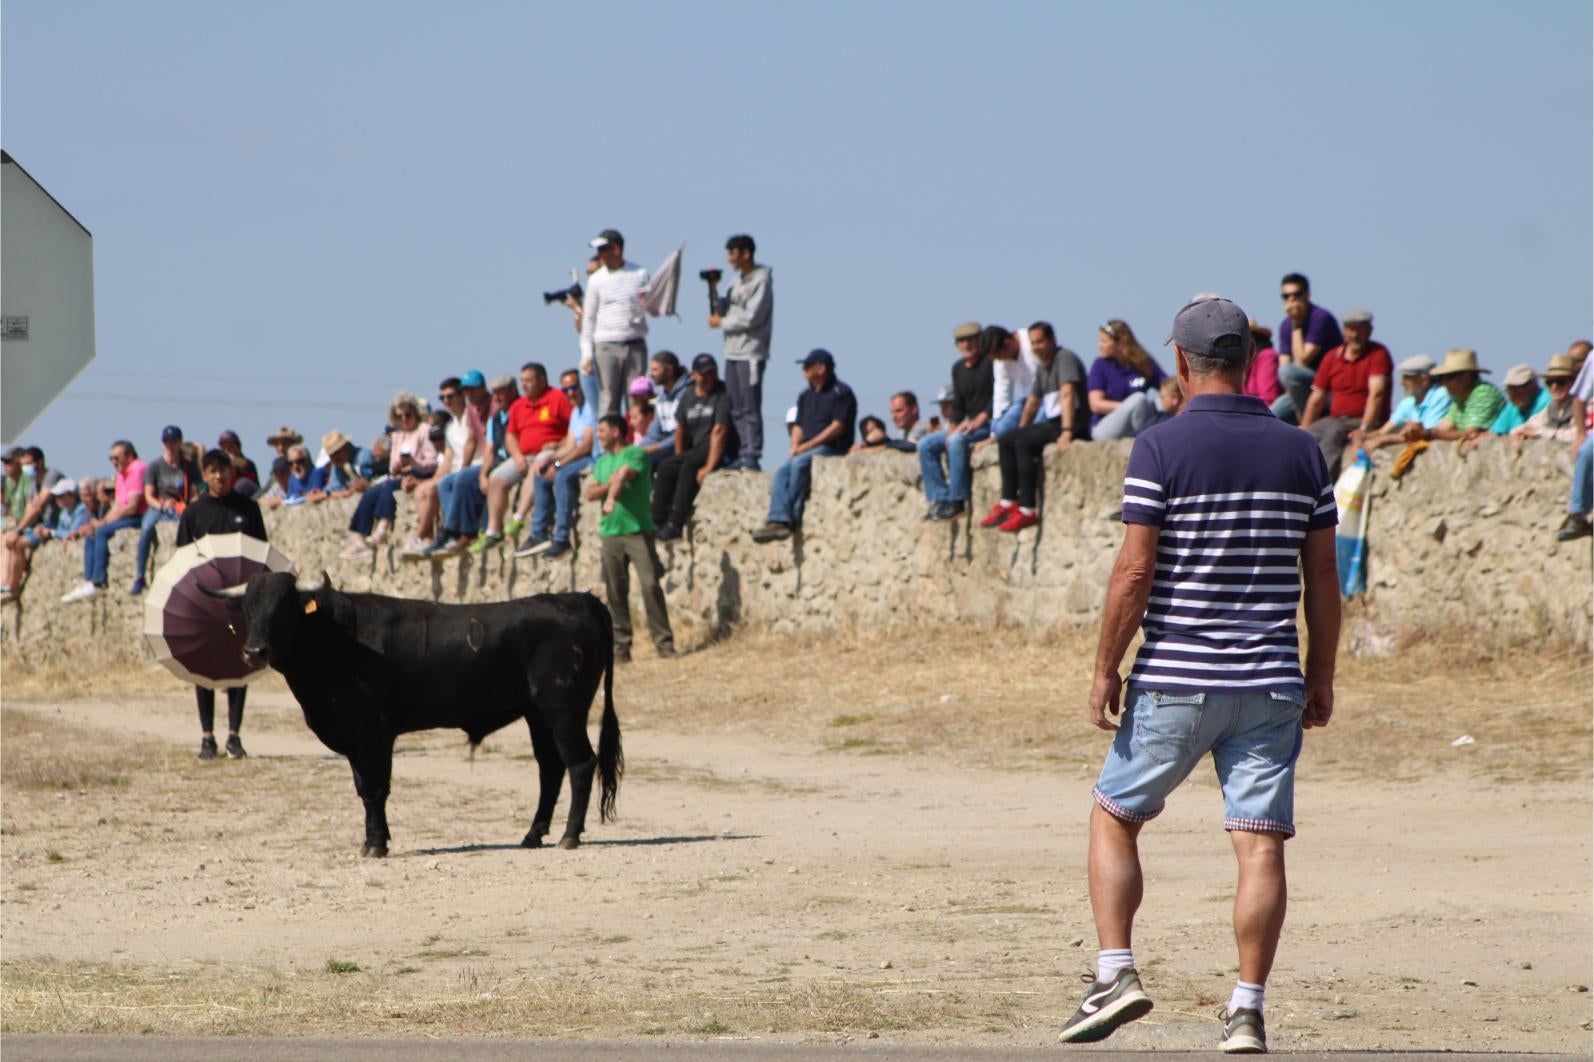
64, 487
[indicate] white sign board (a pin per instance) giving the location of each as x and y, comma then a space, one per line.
46, 299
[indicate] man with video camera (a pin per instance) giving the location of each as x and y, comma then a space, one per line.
746, 314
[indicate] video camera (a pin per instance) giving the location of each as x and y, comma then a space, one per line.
711, 276
572, 292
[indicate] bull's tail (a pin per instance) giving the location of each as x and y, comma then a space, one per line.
611, 760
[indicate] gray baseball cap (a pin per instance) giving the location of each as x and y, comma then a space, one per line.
1212, 328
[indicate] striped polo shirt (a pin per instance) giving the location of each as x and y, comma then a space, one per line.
612, 310
1234, 490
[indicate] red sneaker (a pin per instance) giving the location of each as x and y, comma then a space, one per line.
1020, 520
999, 512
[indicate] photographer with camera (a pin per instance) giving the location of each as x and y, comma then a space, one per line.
746, 314
614, 325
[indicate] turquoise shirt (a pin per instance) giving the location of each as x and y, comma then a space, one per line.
1429, 412
1511, 417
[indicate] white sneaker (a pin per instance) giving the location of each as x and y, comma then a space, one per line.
380, 532
86, 591
415, 549
355, 550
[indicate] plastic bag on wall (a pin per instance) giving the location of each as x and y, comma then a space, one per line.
1353, 495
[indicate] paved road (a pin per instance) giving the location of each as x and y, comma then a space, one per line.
294, 1049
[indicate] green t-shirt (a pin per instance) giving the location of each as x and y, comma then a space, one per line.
633, 509
1480, 408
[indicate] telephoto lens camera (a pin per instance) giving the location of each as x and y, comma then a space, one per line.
711, 276
572, 292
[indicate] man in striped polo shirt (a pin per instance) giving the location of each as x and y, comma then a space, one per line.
1225, 508
614, 323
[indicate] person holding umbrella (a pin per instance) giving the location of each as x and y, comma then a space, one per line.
221, 510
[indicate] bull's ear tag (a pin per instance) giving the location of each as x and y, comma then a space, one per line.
310, 606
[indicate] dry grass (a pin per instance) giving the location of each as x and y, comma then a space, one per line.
40, 752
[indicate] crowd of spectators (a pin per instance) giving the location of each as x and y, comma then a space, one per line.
500, 463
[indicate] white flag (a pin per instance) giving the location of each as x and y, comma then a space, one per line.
659, 296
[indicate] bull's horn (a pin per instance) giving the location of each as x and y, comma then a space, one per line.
310, 588
226, 593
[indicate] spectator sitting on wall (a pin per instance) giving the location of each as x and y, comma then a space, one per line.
1425, 404
705, 440
1353, 382
171, 481
1554, 420
557, 485
1122, 370
229, 444
826, 411
301, 475
1304, 336
538, 420
92, 503
340, 476
125, 511
1525, 399
276, 490
38, 479
283, 438
1577, 524
416, 460
1262, 378
464, 494
671, 384
1578, 350
17, 489
1013, 366
62, 520
458, 447
943, 412
622, 480
968, 422
872, 436
1474, 402
638, 422
905, 417
1054, 412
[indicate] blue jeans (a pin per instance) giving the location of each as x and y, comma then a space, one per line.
378, 503
1297, 383
1007, 423
951, 484
788, 497
97, 550
146, 537
461, 501
1583, 477
557, 500
1254, 737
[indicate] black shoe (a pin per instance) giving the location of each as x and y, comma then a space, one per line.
207, 748
774, 531
929, 514
555, 549
138, 584
668, 654
1243, 1033
1574, 527
667, 532
235, 748
948, 511
1106, 1006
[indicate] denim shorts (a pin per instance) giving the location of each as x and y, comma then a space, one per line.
1254, 738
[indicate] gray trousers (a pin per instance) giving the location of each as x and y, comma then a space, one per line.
744, 379
1331, 434
619, 553
618, 364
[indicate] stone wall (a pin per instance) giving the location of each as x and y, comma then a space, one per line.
1458, 543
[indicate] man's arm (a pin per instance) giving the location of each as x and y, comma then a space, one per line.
1128, 590
1314, 408
1377, 387
1320, 575
716, 449
1026, 416
830, 431
1067, 403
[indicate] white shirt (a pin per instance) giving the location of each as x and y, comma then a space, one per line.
1013, 379
456, 434
613, 311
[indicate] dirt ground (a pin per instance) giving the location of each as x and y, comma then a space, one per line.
819, 840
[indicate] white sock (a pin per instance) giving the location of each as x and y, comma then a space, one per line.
1026, 512
1110, 961
1246, 995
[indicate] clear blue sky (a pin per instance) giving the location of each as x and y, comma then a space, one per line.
300, 208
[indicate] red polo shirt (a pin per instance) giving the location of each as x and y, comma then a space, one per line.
536, 424
1346, 381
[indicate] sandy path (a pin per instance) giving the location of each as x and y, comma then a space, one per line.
736, 865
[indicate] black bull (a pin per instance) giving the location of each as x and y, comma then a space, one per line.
367, 668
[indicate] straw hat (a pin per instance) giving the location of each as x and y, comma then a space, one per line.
333, 441
1560, 365
1458, 361
285, 435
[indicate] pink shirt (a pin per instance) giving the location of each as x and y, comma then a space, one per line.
130, 487
1263, 379
418, 444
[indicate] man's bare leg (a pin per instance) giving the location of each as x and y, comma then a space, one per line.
1259, 901
1116, 885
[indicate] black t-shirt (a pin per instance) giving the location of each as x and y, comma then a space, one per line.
210, 515
973, 389
699, 413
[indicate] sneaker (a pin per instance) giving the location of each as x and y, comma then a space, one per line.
485, 543
415, 550
514, 527
668, 653
667, 533
929, 514
948, 511
555, 550
1106, 1006
1243, 1033
207, 748
355, 550
440, 547
380, 532
1575, 526
85, 591
235, 748
998, 514
1019, 520
137, 587
533, 547
774, 531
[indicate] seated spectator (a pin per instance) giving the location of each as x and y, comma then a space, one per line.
1425, 404
1013, 368
825, 414
670, 383
62, 520
37, 481
229, 444
464, 494
638, 422
125, 511
281, 439
1474, 402
416, 460
1577, 524
1577, 351
1525, 399
1055, 411
171, 481
17, 489
340, 476
968, 422
92, 504
276, 491
1353, 384
1262, 378
1121, 370
905, 416
538, 420
943, 414
872, 435
1304, 336
705, 440
1554, 421
622, 480
378, 461
458, 444
557, 485
301, 477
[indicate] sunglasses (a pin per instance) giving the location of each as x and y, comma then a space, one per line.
1288, 295
298, 464
448, 396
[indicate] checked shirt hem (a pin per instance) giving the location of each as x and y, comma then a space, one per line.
1118, 811
1259, 826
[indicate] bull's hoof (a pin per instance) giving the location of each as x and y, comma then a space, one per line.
531, 840
569, 842
373, 851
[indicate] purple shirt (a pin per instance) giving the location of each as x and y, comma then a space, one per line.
1117, 382
1321, 328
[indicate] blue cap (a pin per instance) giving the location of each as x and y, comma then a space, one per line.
818, 356
473, 378
171, 433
